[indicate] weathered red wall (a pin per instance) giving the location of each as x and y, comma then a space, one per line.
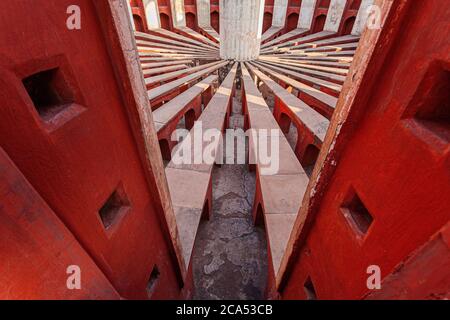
267, 20
138, 10
320, 15
215, 18
165, 14
190, 8
430, 263
349, 16
268, 15
292, 15
396, 159
36, 248
78, 155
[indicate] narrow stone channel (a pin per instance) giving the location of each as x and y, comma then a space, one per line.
230, 254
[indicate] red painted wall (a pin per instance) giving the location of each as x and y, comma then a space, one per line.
138, 10
165, 14
267, 21
320, 15
396, 159
292, 15
349, 17
36, 249
215, 17
77, 153
215, 20
190, 8
431, 262
268, 15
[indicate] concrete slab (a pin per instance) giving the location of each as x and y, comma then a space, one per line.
313, 120
168, 87
188, 220
283, 194
279, 228
326, 99
270, 32
183, 192
334, 16
298, 73
168, 111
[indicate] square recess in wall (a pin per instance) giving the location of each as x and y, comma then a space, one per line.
428, 114
309, 289
153, 281
52, 96
114, 208
356, 213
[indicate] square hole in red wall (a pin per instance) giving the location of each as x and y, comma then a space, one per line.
309, 289
356, 213
153, 281
114, 208
49, 92
430, 106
